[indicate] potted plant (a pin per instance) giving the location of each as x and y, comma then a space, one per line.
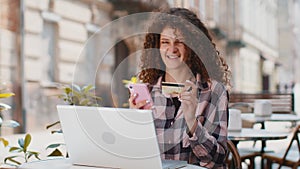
73, 95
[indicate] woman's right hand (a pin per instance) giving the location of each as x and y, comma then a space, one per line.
136, 105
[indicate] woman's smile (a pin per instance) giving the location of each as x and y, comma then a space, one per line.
173, 56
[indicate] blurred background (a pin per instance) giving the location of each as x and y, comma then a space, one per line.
40, 41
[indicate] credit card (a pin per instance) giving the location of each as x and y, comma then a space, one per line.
172, 88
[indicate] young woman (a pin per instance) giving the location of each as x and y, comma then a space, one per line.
190, 125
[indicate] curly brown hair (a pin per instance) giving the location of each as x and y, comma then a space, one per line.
203, 56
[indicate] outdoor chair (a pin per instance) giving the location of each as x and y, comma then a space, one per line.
247, 154
233, 159
290, 157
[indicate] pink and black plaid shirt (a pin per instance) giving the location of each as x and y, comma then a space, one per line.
208, 145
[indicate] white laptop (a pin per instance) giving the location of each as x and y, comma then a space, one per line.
112, 138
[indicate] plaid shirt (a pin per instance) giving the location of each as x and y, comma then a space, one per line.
208, 145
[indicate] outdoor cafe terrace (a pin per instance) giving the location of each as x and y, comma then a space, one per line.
258, 135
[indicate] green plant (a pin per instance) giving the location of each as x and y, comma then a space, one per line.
5, 107
81, 96
133, 79
22, 148
73, 95
5, 95
56, 146
4, 142
56, 152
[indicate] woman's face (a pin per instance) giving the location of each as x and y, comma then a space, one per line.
172, 48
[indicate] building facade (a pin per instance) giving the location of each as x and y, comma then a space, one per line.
60, 47
294, 59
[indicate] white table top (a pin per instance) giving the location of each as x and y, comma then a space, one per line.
274, 117
62, 163
256, 134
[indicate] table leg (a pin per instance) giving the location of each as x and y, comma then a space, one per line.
235, 143
263, 145
263, 125
262, 151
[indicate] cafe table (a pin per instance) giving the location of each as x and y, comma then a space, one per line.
250, 134
251, 117
65, 163
275, 117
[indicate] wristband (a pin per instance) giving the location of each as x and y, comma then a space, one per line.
188, 132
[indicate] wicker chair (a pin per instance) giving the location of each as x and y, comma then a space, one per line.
289, 157
233, 157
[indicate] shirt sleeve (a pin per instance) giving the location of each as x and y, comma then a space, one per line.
209, 141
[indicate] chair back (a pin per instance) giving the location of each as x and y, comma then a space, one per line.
236, 159
295, 137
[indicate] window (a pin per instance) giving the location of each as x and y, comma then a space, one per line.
49, 37
90, 60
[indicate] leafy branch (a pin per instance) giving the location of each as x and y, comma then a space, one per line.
4, 141
5, 107
56, 152
75, 95
22, 148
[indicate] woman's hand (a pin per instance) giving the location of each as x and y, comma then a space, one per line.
136, 105
189, 101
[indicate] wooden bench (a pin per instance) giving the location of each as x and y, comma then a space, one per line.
281, 102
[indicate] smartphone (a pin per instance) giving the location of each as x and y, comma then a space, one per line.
142, 93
